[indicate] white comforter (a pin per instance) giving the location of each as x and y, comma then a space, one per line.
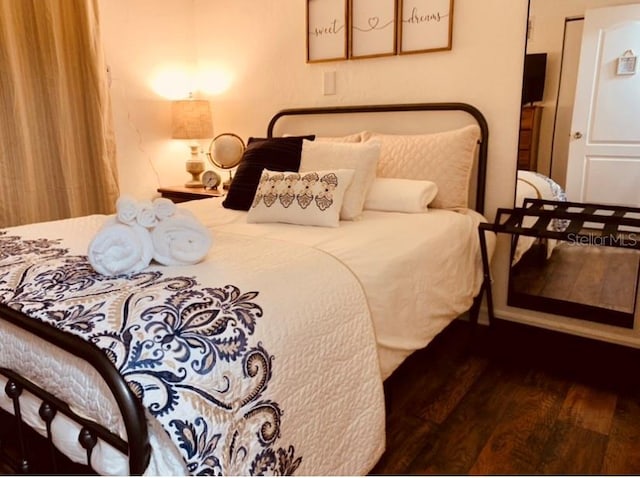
415, 274
530, 184
419, 271
316, 326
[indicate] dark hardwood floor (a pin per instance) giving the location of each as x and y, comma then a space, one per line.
513, 400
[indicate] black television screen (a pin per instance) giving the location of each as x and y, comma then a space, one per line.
535, 67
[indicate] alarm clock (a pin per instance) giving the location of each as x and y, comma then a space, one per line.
211, 179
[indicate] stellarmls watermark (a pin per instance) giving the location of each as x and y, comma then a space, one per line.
614, 240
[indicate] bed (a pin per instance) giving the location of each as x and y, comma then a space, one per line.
268, 357
530, 184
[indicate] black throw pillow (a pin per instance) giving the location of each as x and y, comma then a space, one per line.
275, 154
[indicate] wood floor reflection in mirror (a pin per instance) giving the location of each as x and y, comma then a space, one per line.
578, 280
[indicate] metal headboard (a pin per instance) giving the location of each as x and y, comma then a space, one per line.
472, 110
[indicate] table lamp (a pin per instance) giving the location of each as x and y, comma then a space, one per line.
192, 120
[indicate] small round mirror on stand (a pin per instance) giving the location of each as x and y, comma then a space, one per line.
225, 152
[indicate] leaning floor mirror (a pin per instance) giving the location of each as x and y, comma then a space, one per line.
579, 142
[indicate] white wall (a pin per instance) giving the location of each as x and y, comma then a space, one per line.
143, 41
257, 48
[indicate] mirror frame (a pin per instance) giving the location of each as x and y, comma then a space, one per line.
226, 167
541, 303
212, 145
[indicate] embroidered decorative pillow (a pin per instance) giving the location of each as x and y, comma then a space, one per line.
276, 154
445, 158
312, 198
361, 157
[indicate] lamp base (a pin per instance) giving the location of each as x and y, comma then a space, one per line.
195, 167
194, 183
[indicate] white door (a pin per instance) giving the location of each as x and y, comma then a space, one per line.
566, 98
604, 154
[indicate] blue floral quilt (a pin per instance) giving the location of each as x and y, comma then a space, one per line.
187, 350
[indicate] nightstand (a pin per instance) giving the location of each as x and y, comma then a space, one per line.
181, 194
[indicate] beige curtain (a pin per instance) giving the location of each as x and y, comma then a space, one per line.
57, 150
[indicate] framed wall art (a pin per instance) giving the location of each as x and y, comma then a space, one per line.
372, 28
425, 25
326, 30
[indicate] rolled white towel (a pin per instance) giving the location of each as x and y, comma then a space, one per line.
120, 249
127, 209
185, 212
400, 195
180, 240
164, 208
147, 215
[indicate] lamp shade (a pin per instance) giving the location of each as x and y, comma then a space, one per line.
191, 119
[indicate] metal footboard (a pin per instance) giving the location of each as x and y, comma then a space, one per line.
137, 444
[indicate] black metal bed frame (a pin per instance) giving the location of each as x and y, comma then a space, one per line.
465, 107
137, 447
137, 444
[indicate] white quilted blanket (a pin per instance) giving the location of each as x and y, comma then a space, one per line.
312, 402
419, 271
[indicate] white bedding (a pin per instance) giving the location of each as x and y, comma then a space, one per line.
424, 273
418, 271
316, 327
534, 185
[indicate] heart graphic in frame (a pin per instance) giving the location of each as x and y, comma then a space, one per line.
373, 22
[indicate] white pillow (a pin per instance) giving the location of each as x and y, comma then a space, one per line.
361, 157
400, 195
350, 138
445, 158
313, 198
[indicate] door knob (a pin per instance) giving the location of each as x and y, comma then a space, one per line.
577, 135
